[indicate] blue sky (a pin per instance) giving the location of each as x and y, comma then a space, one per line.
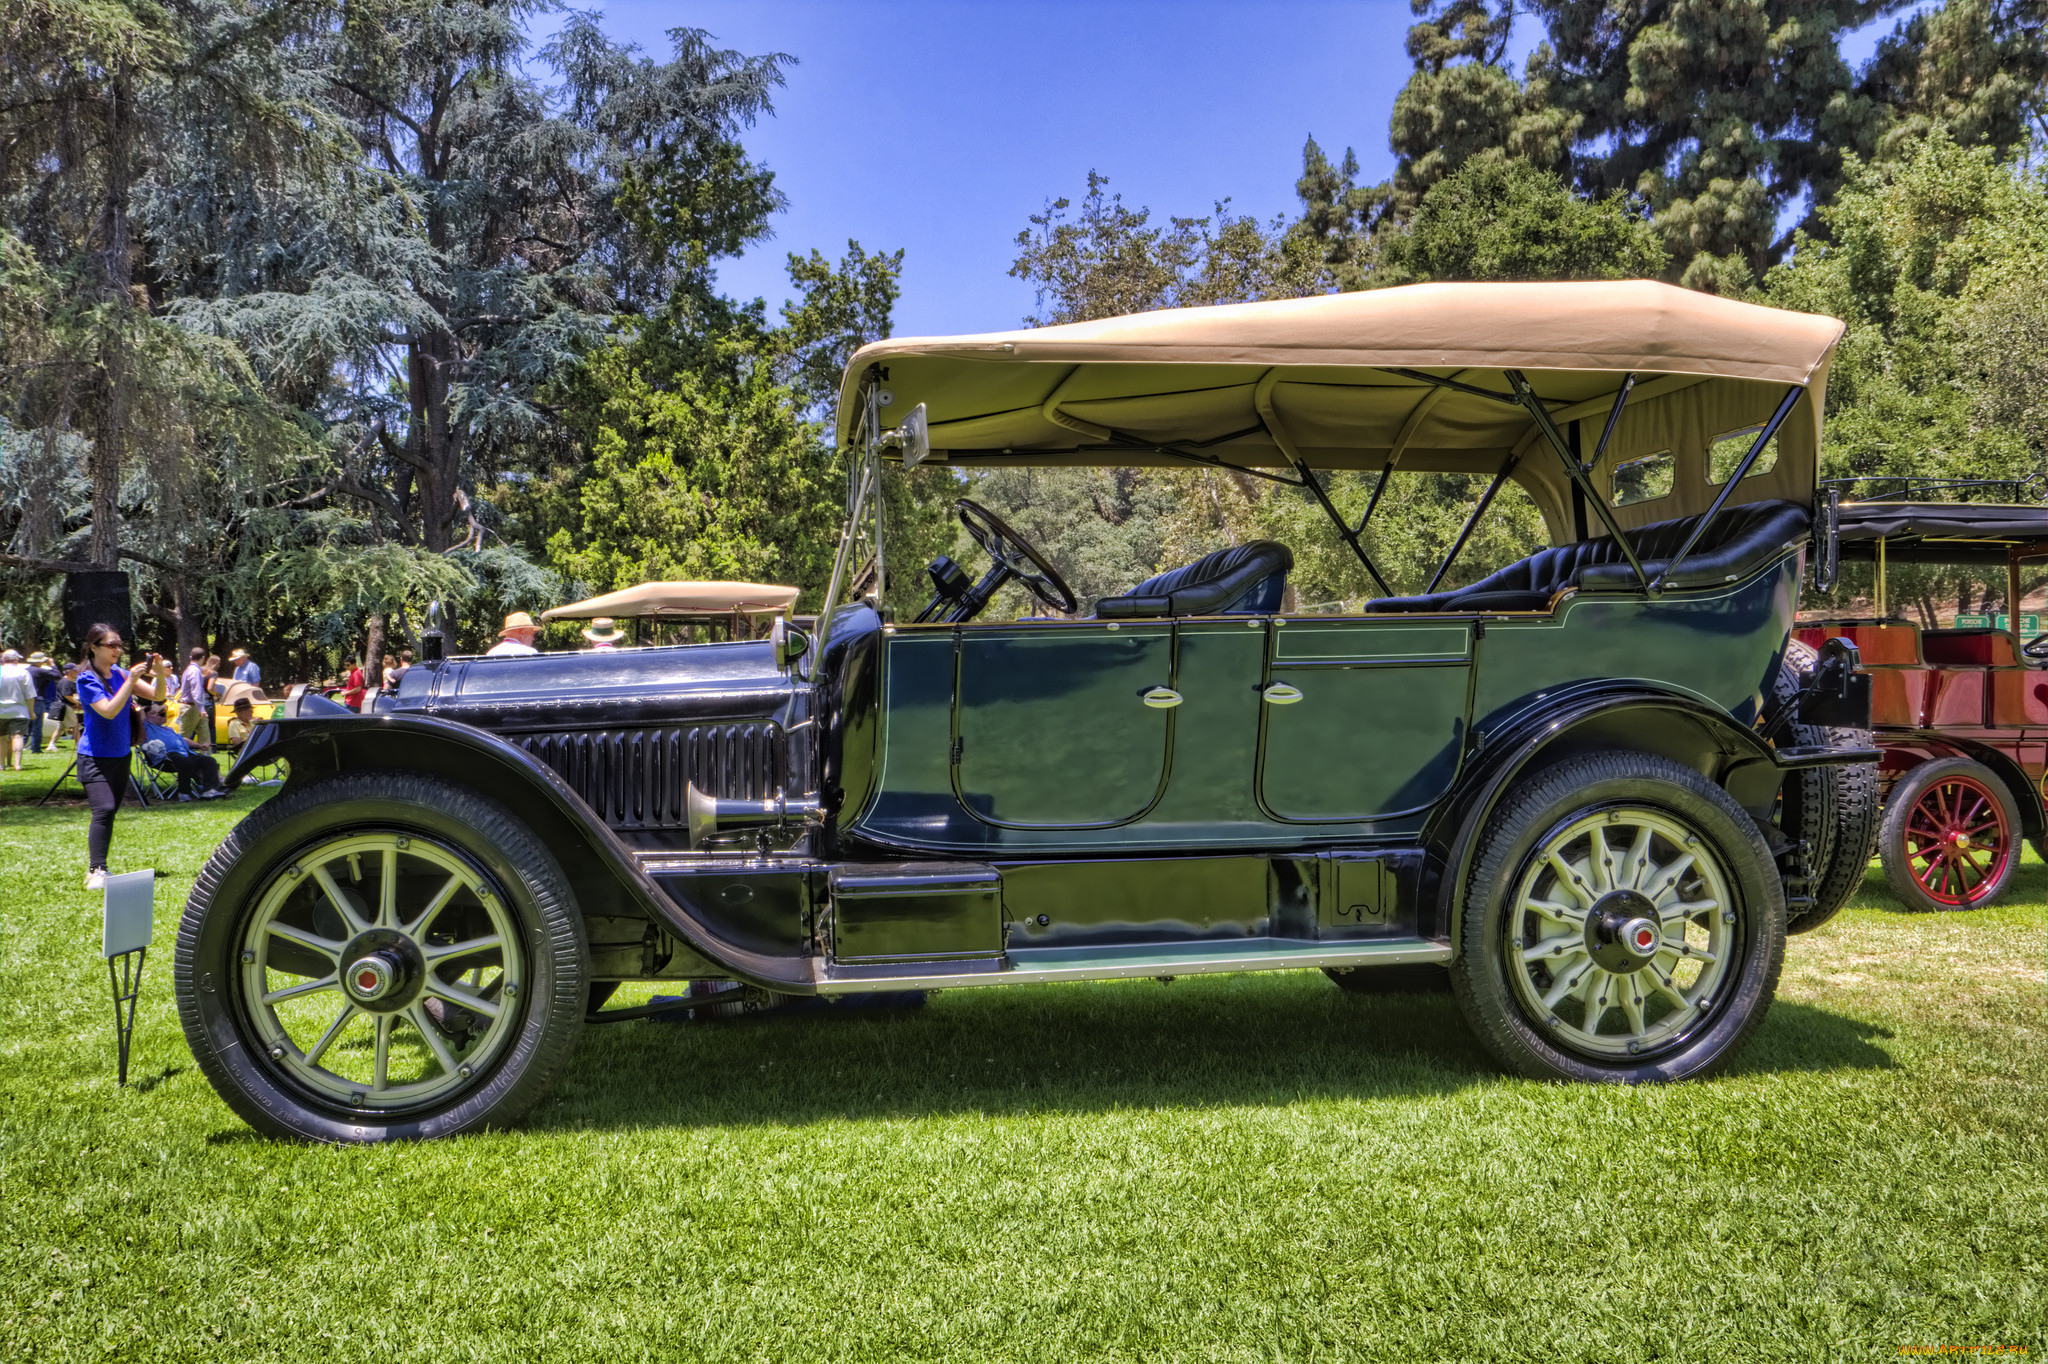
941, 127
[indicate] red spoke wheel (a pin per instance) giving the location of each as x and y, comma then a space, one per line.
1951, 836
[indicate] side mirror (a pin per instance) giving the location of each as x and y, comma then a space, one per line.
789, 643
913, 438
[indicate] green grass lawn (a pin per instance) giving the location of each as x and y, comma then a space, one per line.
1250, 1168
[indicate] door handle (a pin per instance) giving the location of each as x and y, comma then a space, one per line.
1280, 693
1160, 698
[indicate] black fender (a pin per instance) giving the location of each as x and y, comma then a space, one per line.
602, 870
1634, 716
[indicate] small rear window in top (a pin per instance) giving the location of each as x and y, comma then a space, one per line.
1642, 480
1727, 452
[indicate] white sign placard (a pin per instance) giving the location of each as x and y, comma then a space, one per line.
130, 914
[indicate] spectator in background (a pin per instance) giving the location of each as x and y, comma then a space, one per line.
516, 638
404, 667
67, 703
604, 633
17, 707
106, 695
353, 689
42, 672
241, 722
245, 668
214, 687
164, 747
194, 701
387, 680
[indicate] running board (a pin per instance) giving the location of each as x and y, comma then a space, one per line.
1027, 964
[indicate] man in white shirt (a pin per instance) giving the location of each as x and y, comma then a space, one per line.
17, 706
516, 638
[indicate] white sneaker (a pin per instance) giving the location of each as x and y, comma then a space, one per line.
96, 879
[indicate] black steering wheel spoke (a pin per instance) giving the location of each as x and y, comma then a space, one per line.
1015, 559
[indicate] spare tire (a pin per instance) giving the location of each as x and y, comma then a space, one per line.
1835, 809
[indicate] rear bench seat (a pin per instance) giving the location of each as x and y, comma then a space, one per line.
1742, 540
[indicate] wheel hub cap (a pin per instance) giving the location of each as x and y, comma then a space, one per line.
384, 971
1622, 933
371, 979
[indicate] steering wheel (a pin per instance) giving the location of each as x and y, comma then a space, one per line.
2037, 647
1017, 558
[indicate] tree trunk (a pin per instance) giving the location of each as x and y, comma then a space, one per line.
110, 430
185, 616
373, 650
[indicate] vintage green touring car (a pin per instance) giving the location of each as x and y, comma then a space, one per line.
1592, 786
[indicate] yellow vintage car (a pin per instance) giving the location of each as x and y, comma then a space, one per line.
226, 692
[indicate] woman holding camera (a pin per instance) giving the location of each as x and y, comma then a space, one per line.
106, 695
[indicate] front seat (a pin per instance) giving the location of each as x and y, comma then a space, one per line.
1243, 580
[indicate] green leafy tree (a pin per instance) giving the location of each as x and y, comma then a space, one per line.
710, 444
1724, 118
1935, 262
493, 225
1507, 220
129, 440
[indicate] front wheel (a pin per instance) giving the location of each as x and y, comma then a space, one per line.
380, 955
1623, 922
1951, 836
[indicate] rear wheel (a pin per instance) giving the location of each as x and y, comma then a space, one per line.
1951, 836
1623, 922
1835, 808
380, 955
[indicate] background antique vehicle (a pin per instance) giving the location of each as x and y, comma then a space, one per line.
729, 607
1592, 784
1960, 710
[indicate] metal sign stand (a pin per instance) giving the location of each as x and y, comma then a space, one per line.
127, 924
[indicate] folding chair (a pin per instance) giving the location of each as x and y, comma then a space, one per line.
152, 785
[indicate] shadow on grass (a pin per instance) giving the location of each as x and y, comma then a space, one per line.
1079, 1049
143, 1086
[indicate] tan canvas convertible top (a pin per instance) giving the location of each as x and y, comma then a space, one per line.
656, 600
1254, 383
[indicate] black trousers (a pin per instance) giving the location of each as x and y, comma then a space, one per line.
106, 785
196, 772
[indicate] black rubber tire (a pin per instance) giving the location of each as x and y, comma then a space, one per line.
526, 877
1544, 802
1407, 978
1835, 809
1906, 792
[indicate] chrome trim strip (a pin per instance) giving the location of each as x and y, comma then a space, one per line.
1128, 963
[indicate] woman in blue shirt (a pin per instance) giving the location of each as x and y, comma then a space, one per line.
106, 694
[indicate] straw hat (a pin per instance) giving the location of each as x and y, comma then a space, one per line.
39, 659
238, 655
604, 630
518, 620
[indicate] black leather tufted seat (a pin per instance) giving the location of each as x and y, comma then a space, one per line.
1243, 580
1742, 540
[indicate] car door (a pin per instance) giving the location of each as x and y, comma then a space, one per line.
1062, 725
1362, 719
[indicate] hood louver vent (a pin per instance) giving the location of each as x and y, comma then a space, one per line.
635, 778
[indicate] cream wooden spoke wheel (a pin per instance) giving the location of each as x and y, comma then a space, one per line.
376, 956
1623, 921
382, 969
1620, 932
